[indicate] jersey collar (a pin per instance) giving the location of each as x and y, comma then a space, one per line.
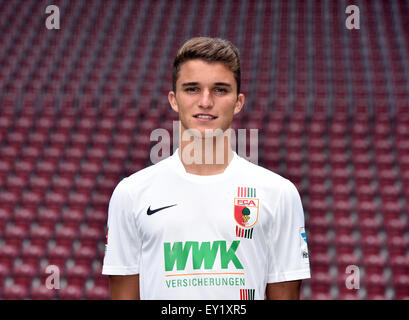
199, 178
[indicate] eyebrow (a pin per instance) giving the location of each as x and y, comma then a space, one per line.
223, 84
188, 84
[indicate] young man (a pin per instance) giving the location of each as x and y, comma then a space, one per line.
201, 224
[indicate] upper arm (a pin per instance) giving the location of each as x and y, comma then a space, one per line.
123, 244
288, 290
124, 287
287, 245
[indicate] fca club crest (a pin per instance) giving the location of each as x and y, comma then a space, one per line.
246, 207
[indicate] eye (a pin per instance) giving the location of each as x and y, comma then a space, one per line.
220, 90
192, 89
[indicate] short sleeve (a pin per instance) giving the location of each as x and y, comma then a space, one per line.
123, 245
288, 251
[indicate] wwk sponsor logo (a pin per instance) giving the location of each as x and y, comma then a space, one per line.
203, 254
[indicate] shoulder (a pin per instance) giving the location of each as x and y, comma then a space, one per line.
147, 173
142, 178
267, 178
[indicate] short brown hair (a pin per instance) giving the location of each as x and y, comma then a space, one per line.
209, 50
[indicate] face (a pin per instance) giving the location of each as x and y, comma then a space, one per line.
206, 96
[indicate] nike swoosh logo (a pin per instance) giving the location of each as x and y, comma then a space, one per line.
149, 211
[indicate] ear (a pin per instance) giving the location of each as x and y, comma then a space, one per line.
172, 101
239, 103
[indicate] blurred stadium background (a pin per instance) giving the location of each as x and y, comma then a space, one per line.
78, 104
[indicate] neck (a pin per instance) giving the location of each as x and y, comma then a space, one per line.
206, 156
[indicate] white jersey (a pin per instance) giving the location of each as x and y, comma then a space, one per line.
221, 236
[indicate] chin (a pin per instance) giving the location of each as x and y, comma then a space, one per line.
202, 133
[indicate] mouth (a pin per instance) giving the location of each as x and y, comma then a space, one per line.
204, 117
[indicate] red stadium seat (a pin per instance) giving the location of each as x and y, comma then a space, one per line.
76, 275
318, 206
67, 169
41, 292
347, 259
66, 234
84, 255
78, 200
15, 184
369, 222
100, 200
345, 241
72, 217
32, 199
99, 278
55, 199
97, 217
24, 216
32, 253
15, 292
321, 294
71, 292
344, 222
401, 285
15, 235
38, 183
23, 273
5, 271
374, 262
371, 243
395, 224
397, 243
319, 241
40, 234
45, 169
84, 184
97, 293
318, 221
320, 286
48, 217
322, 260
343, 208
9, 199
367, 205
399, 264
91, 233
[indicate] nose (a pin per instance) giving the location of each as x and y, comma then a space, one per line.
206, 100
